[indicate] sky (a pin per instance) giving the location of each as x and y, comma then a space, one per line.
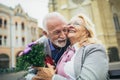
34, 8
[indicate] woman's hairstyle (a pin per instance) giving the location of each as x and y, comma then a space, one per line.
49, 16
88, 24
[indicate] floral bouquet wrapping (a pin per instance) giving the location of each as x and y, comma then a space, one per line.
34, 55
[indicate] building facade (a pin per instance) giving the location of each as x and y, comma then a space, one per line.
17, 29
104, 13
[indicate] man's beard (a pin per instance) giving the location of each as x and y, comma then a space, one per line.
60, 42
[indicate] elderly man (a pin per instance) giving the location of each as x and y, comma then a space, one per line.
55, 32
55, 40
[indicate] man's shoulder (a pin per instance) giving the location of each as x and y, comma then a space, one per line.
42, 39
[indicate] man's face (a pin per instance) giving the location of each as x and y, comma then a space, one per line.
57, 31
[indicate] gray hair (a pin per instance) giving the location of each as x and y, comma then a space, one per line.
50, 15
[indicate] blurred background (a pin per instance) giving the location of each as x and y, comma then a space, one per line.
20, 26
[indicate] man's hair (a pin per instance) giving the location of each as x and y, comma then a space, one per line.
50, 15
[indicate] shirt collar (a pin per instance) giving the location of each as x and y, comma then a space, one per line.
51, 45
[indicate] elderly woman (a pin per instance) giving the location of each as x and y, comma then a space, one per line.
85, 58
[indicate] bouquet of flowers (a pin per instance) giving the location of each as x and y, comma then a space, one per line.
34, 55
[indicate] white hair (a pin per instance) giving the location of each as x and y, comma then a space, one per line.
88, 24
90, 27
50, 15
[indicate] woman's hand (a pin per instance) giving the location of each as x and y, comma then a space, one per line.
45, 73
51, 69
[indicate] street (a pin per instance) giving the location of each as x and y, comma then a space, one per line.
19, 75
12, 76
114, 65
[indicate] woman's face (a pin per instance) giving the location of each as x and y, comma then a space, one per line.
76, 29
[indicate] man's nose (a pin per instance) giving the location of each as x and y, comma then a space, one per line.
63, 34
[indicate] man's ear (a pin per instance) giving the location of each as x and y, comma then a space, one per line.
45, 33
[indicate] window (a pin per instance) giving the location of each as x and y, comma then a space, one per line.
4, 61
0, 40
0, 22
17, 10
16, 25
23, 41
23, 26
5, 23
5, 40
33, 40
113, 54
34, 30
116, 21
16, 40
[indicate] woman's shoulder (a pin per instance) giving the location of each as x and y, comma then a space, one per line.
94, 46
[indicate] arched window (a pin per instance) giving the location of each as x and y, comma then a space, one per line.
116, 22
23, 26
16, 25
16, 40
5, 23
32, 30
4, 61
18, 10
5, 40
33, 40
113, 54
23, 41
0, 22
0, 40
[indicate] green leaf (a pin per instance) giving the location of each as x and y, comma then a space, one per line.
35, 57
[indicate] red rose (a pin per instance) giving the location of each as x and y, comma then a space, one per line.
49, 60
